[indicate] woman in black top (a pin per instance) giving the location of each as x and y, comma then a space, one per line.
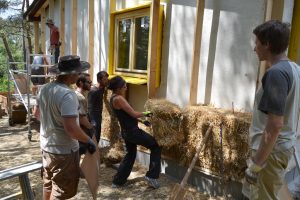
133, 136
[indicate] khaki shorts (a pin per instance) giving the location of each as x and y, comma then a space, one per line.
61, 174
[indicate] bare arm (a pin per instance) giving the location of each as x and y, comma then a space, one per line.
36, 112
83, 120
73, 130
268, 140
121, 103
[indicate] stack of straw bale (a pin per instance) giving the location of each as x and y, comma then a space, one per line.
110, 130
166, 122
227, 148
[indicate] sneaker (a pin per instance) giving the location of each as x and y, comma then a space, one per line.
117, 186
152, 182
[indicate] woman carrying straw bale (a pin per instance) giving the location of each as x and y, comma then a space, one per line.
133, 136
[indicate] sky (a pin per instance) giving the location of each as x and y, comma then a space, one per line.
10, 12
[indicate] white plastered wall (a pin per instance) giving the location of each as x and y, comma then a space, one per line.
228, 65
82, 30
104, 31
68, 27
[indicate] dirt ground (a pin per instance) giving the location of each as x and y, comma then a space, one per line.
15, 149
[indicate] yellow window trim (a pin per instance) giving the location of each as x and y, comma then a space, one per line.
295, 33
131, 77
132, 80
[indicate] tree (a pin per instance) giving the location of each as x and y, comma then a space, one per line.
13, 32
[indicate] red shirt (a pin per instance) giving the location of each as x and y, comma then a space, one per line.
54, 35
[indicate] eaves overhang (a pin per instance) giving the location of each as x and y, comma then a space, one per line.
31, 12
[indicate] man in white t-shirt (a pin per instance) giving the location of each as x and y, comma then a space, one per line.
275, 114
57, 109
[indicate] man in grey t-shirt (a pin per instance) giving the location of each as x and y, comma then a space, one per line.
275, 113
60, 131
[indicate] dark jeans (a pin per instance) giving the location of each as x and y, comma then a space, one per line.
56, 54
96, 119
132, 139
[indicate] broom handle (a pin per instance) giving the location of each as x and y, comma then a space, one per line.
199, 148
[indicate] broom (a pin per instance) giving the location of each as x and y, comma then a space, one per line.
178, 191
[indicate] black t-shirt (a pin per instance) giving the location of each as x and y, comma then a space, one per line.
276, 84
95, 100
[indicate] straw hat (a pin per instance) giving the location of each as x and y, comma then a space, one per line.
49, 21
70, 64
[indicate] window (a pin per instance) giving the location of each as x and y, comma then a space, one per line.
131, 42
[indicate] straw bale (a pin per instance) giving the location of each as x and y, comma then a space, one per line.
166, 122
112, 155
110, 128
227, 149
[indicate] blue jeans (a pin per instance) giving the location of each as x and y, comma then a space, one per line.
132, 139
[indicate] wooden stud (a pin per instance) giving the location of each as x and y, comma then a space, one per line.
51, 9
112, 8
62, 27
91, 36
152, 53
196, 52
74, 27
43, 30
36, 36
294, 46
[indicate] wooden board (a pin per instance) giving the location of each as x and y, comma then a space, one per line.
90, 166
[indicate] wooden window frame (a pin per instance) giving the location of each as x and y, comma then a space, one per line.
131, 71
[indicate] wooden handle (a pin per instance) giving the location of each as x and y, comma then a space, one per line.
199, 148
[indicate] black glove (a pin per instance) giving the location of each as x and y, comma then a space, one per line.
91, 147
146, 123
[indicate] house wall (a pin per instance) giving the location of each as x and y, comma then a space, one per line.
228, 65
82, 31
68, 28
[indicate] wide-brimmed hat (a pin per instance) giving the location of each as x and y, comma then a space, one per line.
70, 64
49, 21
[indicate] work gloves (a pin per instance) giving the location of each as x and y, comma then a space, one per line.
251, 173
91, 147
147, 114
145, 122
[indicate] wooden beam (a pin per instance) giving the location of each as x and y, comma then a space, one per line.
51, 9
43, 30
112, 8
62, 27
152, 54
36, 36
91, 36
196, 52
294, 46
74, 27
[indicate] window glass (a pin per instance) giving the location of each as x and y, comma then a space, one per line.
141, 42
124, 30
